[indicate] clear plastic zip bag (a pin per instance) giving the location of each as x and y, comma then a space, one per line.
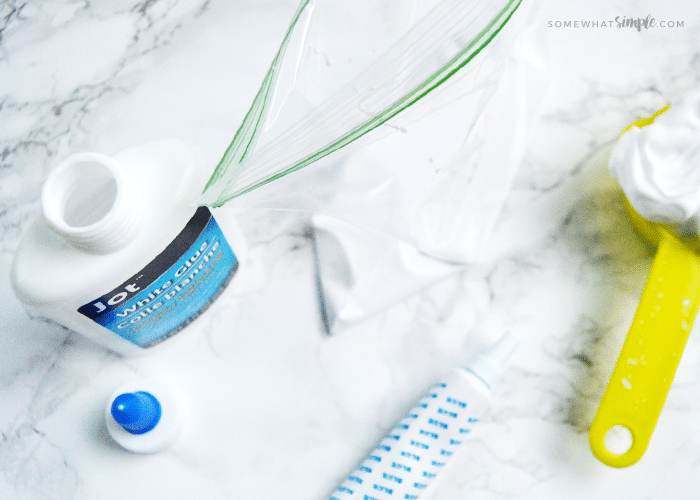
400, 127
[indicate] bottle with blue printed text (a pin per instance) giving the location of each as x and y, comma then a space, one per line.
120, 253
407, 461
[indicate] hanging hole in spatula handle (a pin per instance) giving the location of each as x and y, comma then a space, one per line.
642, 376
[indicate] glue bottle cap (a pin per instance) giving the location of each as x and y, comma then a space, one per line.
137, 412
489, 366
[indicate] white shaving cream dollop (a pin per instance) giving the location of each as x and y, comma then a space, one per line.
658, 166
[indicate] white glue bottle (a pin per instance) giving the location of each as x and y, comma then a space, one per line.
413, 454
120, 253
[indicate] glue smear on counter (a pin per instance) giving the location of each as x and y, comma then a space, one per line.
409, 459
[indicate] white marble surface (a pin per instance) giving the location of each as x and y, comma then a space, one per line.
277, 409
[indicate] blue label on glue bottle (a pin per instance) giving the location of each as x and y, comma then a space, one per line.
173, 289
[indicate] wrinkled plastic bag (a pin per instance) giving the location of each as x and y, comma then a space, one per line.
400, 127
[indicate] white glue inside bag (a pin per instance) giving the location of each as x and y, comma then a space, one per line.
120, 253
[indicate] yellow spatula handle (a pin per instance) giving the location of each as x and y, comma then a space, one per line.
640, 381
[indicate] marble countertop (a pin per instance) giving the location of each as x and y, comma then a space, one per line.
277, 409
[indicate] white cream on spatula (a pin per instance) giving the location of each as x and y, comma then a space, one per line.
658, 166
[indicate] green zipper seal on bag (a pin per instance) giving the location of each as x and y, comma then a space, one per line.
249, 130
247, 134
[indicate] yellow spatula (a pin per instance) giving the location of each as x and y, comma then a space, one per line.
642, 376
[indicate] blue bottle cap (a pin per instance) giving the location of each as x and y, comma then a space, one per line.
137, 412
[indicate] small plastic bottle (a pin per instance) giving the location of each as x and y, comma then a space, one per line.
120, 253
411, 457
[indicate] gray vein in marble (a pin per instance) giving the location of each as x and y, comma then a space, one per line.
36, 467
44, 471
51, 125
